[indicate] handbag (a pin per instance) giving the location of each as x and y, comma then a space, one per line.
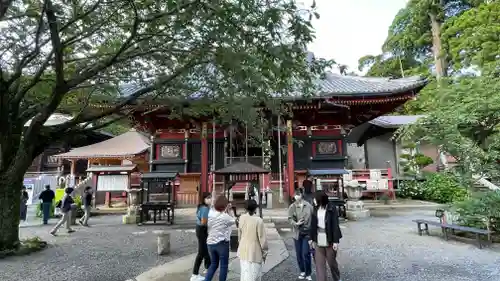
322, 239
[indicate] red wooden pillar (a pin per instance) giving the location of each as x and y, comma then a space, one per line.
290, 159
204, 158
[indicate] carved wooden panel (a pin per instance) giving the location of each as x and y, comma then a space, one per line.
326, 147
171, 151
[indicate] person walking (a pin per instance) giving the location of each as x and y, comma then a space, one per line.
307, 187
252, 248
67, 205
325, 236
219, 233
299, 216
47, 198
24, 204
202, 234
87, 206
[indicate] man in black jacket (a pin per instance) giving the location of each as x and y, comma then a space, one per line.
47, 197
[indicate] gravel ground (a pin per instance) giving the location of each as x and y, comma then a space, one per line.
108, 251
388, 248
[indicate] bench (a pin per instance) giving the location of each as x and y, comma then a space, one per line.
445, 227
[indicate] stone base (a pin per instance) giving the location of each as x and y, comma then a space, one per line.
358, 214
130, 219
163, 242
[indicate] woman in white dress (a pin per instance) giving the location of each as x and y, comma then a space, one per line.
252, 248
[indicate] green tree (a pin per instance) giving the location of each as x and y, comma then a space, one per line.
386, 65
52, 51
465, 122
472, 39
417, 30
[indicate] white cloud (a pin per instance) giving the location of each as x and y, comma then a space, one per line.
350, 29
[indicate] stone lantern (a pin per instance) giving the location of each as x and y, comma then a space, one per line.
355, 207
132, 216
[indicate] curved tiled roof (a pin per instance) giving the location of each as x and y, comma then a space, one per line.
125, 145
343, 85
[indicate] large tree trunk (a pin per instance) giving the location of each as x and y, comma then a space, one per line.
10, 199
441, 70
437, 48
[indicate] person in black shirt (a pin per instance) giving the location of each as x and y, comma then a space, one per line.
47, 197
24, 204
87, 206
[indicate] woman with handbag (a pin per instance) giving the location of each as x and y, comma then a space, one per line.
325, 236
252, 248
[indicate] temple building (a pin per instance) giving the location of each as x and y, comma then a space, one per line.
312, 138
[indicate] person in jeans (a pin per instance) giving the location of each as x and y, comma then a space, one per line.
47, 197
252, 248
67, 204
202, 234
299, 216
219, 232
325, 236
87, 206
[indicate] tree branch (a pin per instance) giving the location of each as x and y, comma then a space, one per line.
116, 109
107, 63
61, 87
4, 8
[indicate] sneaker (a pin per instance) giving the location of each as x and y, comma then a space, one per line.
196, 277
309, 278
302, 275
71, 231
53, 233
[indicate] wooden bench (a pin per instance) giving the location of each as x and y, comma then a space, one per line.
445, 227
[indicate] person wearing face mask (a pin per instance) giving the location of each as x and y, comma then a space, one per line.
299, 216
325, 236
202, 234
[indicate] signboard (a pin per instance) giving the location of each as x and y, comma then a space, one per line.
71, 181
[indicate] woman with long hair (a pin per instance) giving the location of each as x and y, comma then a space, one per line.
252, 248
325, 236
202, 233
220, 223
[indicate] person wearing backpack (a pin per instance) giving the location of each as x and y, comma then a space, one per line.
67, 204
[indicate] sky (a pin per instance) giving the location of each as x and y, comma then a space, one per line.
350, 29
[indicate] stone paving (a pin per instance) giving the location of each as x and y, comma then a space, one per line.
388, 248
107, 251
385, 247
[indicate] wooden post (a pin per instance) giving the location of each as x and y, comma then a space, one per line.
290, 159
204, 158
185, 151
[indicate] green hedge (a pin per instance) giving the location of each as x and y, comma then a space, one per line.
435, 187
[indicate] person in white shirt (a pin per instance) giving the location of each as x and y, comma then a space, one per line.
220, 225
325, 236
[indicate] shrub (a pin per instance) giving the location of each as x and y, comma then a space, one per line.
443, 188
25, 247
411, 189
479, 210
39, 210
79, 204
